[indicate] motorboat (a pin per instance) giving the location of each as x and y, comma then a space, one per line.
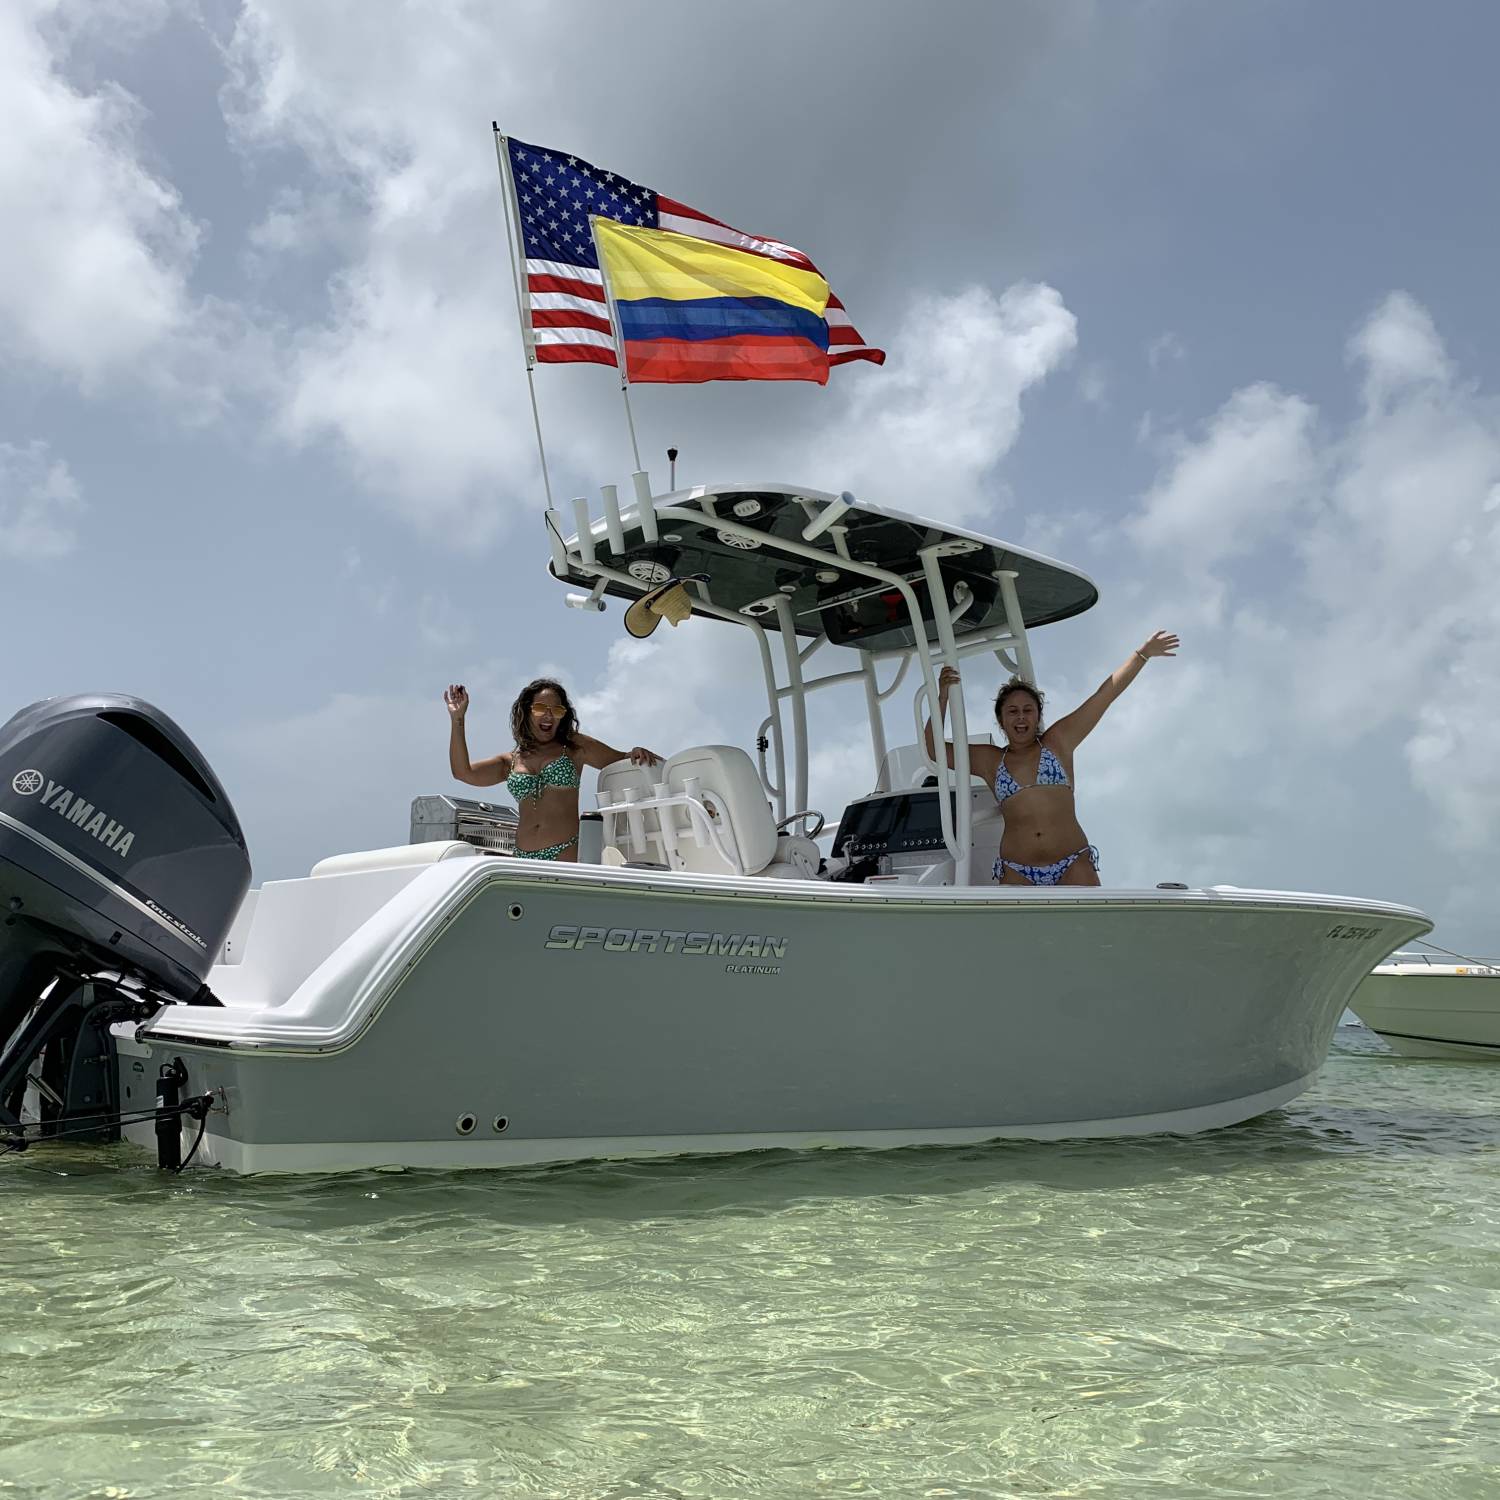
1433, 1005
718, 971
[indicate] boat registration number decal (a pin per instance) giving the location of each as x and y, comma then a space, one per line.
1345, 931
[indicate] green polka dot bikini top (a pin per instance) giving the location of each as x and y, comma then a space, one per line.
563, 772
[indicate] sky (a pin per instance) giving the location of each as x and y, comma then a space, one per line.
1199, 299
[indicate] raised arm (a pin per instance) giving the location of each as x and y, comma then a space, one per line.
487, 772
597, 754
1070, 732
984, 759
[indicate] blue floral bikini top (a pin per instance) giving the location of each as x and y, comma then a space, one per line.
1049, 772
563, 772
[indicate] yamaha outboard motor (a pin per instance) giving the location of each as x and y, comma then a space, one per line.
122, 865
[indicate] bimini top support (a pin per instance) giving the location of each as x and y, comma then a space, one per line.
889, 585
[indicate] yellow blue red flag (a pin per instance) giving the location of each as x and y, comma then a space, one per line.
688, 310
566, 313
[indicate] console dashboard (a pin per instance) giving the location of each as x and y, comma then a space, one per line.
895, 823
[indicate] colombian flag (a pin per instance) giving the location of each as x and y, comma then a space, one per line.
691, 310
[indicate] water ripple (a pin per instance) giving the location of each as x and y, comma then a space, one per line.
1306, 1305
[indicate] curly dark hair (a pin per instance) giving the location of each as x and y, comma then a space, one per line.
1011, 688
520, 715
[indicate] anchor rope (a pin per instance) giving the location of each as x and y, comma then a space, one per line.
198, 1106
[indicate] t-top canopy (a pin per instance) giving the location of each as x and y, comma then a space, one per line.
751, 541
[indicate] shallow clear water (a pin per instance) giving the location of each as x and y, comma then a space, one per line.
1308, 1305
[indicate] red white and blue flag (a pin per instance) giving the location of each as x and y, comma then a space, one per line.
567, 310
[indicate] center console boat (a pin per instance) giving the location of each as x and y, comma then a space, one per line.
709, 976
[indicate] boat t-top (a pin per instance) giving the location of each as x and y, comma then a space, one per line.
717, 972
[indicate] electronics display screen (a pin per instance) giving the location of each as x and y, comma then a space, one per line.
890, 825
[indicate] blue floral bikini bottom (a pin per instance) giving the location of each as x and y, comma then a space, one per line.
1047, 874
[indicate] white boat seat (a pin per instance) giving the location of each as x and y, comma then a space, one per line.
729, 784
640, 781
797, 858
906, 766
725, 780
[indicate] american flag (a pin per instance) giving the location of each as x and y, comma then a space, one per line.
569, 319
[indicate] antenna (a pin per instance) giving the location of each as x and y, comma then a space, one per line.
671, 468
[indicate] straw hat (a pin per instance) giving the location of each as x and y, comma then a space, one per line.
669, 602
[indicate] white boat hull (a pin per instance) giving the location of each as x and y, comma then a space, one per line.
1431, 1010
490, 1012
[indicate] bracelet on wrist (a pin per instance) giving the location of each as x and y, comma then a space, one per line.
1142, 655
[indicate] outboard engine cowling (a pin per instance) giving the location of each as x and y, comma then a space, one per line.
119, 853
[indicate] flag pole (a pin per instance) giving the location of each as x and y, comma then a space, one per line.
630, 419
528, 346
614, 325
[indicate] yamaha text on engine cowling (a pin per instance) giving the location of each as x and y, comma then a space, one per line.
122, 865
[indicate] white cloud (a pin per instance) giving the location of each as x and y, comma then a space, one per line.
946, 409
422, 395
388, 748
667, 692
841, 765
96, 250
416, 374
1399, 347
1453, 753
1355, 663
298, 223
384, 748
121, 23
39, 502
1249, 474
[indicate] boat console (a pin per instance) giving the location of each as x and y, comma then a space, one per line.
898, 836
895, 823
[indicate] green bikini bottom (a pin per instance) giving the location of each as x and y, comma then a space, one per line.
555, 851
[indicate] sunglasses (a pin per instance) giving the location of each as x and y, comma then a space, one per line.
547, 711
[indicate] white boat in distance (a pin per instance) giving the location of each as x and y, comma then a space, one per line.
1425, 1006
706, 979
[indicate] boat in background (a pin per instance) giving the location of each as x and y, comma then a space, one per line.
1424, 1005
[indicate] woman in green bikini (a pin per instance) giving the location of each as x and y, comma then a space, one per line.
542, 772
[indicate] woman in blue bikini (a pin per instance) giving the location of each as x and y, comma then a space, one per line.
543, 771
1032, 773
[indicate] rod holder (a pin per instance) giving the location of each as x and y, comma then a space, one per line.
635, 821
613, 526
608, 813
555, 536
826, 517
585, 529
666, 817
692, 786
645, 505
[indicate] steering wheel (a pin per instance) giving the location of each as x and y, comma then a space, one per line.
798, 817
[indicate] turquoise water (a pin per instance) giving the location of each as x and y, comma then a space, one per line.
1308, 1305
